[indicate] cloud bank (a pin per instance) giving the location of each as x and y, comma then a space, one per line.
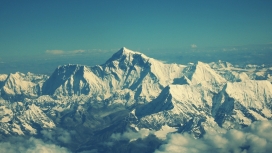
255, 138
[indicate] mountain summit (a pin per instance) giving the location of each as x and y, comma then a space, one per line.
126, 57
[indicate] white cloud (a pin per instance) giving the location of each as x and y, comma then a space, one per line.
58, 135
62, 52
131, 135
232, 49
76, 51
193, 46
55, 52
255, 138
31, 145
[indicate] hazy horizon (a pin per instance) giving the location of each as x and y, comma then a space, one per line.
36, 30
47, 63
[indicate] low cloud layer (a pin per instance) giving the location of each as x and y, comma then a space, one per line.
255, 138
31, 145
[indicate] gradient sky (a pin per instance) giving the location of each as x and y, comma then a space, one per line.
36, 27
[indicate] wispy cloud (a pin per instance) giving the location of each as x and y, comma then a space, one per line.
193, 46
232, 49
76, 51
55, 52
62, 52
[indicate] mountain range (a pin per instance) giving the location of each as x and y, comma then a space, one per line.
84, 107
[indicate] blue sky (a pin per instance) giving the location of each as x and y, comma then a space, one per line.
38, 27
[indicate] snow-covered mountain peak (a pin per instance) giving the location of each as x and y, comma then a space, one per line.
19, 85
221, 65
65, 72
185, 96
125, 69
202, 74
69, 68
3, 77
176, 103
125, 51
179, 98
72, 80
127, 57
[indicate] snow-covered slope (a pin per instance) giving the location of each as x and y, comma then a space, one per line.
243, 102
182, 101
71, 80
205, 76
241, 73
3, 77
198, 109
20, 118
183, 106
